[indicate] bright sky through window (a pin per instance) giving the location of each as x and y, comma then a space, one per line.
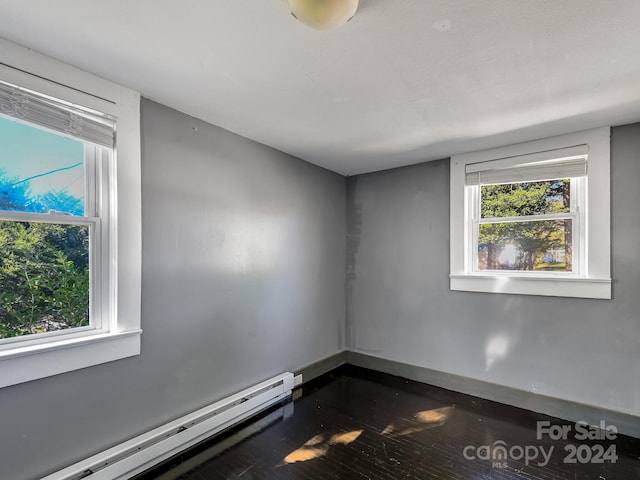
44, 267
51, 162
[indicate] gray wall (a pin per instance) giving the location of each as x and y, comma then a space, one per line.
400, 307
243, 278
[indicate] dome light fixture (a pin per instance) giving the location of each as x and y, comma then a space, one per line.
323, 14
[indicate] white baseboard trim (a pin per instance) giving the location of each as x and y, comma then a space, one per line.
188, 464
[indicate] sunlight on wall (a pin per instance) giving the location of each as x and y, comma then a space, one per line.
249, 244
497, 348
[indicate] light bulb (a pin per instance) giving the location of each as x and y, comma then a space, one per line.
323, 14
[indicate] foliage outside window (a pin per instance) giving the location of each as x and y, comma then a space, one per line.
42, 290
526, 226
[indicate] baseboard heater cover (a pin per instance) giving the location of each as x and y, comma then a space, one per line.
144, 451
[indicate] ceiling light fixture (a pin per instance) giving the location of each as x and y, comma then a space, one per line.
323, 14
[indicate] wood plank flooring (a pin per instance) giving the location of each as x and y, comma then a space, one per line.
359, 424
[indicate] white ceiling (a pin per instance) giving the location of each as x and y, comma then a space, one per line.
405, 81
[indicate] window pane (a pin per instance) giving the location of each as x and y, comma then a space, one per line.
529, 198
40, 171
538, 245
44, 277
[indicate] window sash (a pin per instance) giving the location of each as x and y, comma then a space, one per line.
97, 276
576, 214
98, 183
577, 260
57, 218
25, 342
528, 218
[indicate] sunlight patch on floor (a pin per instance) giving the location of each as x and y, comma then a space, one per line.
421, 421
318, 446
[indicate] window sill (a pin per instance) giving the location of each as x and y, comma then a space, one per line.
20, 365
539, 285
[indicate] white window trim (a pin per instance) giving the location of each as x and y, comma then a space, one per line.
81, 349
595, 280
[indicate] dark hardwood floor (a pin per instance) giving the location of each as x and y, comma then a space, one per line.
359, 424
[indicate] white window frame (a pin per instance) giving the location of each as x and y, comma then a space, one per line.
593, 278
118, 335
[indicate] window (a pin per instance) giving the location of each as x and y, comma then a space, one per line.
69, 255
533, 218
54, 205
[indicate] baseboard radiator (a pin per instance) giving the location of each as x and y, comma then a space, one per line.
144, 451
